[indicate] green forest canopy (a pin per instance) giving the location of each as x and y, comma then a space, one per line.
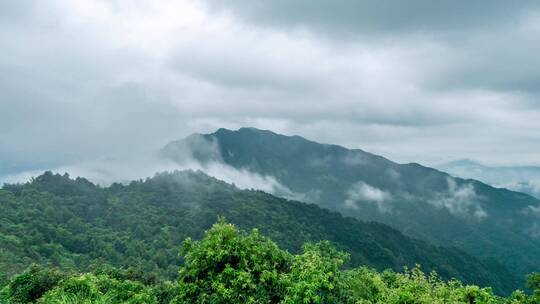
232, 266
74, 225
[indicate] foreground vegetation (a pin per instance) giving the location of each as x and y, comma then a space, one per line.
232, 266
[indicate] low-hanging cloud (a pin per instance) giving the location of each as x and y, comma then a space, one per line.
532, 210
524, 179
200, 153
362, 193
125, 169
80, 80
460, 200
105, 171
197, 154
534, 230
531, 187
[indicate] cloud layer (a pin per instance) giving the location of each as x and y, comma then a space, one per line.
519, 178
125, 168
460, 200
362, 193
82, 80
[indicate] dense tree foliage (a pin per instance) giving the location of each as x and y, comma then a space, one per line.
232, 266
73, 224
32, 284
76, 225
229, 266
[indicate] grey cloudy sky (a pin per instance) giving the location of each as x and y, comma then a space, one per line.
424, 81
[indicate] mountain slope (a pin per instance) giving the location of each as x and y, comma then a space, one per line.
74, 224
420, 201
524, 179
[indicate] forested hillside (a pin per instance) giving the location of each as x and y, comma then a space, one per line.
74, 224
419, 201
233, 266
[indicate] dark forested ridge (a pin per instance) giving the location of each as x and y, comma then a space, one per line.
419, 201
74, 224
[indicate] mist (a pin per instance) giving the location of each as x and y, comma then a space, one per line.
361, 192
518, 178
460, 200
125, 168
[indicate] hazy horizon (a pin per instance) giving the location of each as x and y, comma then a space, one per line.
89, 80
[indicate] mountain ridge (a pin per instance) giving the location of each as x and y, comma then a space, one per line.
466, 213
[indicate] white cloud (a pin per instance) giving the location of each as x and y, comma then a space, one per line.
534, 230
199, 153
361, 193
393, 174
531, 187
533, 210
80, 78
125, 168
524, 179
460, 200
104, 171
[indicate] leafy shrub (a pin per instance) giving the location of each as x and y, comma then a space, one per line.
32, 284
230, 266
315, 276
91, 288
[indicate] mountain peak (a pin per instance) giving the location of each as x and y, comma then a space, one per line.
245, 130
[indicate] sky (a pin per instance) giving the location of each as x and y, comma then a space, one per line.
417, 81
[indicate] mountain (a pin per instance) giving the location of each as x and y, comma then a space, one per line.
421, 202
524, 179
74, 224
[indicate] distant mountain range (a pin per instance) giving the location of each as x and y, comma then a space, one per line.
524, 179
421, 202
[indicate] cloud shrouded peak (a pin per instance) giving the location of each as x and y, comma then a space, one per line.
82, 80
